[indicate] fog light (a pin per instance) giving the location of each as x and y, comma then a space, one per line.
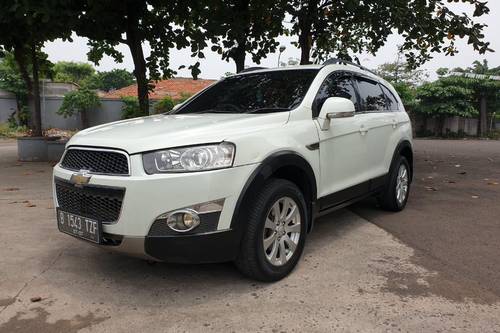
183, 220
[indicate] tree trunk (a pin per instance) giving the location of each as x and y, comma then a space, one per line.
425, 125
84, 117
36, 115
483, 117
305, 48
134, 43
238, 54
239, 57
305, 17
439, 126
19, 109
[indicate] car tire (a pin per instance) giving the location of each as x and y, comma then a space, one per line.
397, 190
261, 256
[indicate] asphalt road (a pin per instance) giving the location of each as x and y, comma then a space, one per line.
453, 215
429, 269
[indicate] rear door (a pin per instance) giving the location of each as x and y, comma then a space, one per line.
378, 122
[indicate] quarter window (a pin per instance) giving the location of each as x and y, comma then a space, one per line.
335, 85
390, 100
371, 95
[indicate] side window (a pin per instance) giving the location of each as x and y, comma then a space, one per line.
371, 95
390, 99
335, 85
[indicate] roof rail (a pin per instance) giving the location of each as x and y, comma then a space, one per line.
333, 61
251, 69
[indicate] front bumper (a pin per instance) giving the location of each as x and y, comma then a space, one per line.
148, 196
211, 247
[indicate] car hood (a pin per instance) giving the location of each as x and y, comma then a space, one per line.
164, 131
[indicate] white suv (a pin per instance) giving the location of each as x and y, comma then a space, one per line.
240, 171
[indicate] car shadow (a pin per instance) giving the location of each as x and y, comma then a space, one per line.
122, 278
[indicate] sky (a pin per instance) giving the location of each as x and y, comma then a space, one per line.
213, 67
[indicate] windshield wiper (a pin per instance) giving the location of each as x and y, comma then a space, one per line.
216, 111
270, 109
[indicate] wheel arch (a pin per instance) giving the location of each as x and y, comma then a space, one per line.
287, 165
404, 148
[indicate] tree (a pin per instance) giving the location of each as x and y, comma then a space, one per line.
11, 81
486, 91
445, 97
79, 102
347, 27
486, 96
111, 80
238, 27
133, 22
75, 72
130, 107
407, 93
166, 104
400, 72
25, 25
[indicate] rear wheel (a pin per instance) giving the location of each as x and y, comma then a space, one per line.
275, 232
397, 190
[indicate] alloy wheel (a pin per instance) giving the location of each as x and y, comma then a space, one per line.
281, 231
402, 184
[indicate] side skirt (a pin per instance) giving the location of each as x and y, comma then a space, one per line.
348, 196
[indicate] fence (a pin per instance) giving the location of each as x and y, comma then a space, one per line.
467, 126
108, 111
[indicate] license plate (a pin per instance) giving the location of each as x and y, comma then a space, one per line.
79, 226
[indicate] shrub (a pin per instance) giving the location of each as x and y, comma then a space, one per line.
79, 101
12, 132
494, 135
184, 96
130, 108
164, 105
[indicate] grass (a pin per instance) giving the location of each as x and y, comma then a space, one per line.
494, 135
8, 132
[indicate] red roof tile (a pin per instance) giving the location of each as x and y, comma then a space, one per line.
172, 87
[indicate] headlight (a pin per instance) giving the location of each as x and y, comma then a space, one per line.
188, 159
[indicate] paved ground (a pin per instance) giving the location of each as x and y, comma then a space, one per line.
430, 276
453, 217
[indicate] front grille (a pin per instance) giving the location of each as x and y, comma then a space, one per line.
96, 161
95, 202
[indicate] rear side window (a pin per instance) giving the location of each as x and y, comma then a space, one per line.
335, 85
390, 99
371, 95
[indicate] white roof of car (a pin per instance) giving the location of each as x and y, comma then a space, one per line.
313, 66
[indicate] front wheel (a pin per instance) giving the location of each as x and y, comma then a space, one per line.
275, 232
397, 190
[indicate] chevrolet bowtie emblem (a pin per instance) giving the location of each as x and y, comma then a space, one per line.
80, 178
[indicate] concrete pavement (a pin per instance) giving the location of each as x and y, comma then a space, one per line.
353, 277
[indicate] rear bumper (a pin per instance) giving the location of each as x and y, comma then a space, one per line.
218, 246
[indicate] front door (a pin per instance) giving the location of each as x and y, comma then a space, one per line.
343, 147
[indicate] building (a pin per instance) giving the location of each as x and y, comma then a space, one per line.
175, 88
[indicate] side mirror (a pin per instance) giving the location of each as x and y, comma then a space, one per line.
335, 107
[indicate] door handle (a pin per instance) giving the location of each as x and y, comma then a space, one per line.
363, 130
394, 123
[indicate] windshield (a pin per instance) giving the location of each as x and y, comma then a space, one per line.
273, 91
